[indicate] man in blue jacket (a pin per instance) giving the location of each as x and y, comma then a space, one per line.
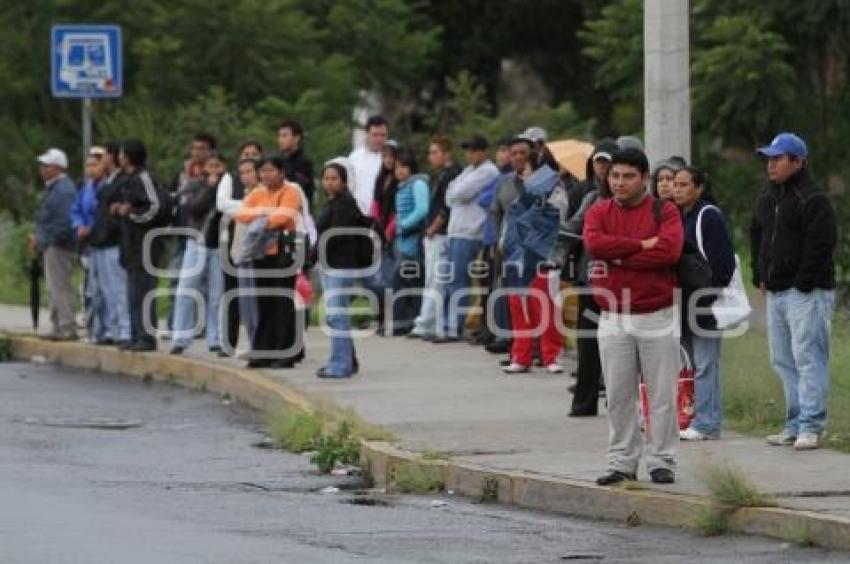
54, 239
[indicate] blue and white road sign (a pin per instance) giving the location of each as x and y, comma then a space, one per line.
86, 61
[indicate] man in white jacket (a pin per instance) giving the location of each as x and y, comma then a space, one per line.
366, 162
466, 222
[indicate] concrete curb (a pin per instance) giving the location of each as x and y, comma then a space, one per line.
523, 489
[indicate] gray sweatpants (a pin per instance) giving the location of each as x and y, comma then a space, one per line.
631, 345
60, 292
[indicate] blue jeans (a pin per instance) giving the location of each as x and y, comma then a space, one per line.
334, 288
110, 298
209, 277
799, 326
461, 252
708, 400
247, 303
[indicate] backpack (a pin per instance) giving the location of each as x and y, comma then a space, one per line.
692, 268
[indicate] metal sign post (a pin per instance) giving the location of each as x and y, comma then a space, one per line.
86, 130
86, 63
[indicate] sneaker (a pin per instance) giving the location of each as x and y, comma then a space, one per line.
443, 340
691, 434
515, 368
177, 349
807, 441
324, 374
782, 439
615, 477
555, 368
505, 362
662, 476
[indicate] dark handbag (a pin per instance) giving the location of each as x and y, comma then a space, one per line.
693, 270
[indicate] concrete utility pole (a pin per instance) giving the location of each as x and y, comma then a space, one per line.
667, 97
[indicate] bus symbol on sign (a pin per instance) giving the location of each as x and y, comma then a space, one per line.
86, 61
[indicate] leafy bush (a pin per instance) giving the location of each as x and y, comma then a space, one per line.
337, 448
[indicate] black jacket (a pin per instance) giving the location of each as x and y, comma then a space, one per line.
438, 196
106, 230
201, 213
300, 169
793, 236
139, 189
344, 251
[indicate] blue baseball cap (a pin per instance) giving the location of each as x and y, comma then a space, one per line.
785, 144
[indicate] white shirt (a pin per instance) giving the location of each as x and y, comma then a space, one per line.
224, 196
366, 165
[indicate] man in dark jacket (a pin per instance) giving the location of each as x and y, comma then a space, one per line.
105, 235
140, 209
793, 236
434, 241
54, 239
299, 168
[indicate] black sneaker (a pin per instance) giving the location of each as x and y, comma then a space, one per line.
662, 476
215, 349
177, 350
444, 340
615, 477
143, 346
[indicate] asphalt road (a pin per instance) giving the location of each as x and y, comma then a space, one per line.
107, 469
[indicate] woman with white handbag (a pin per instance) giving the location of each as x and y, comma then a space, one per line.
705, 229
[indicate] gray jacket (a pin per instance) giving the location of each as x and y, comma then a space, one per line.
467, 217
53, 224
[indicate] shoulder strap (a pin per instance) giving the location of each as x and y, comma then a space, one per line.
657, 207
699, 228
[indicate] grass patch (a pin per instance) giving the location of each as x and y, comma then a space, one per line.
711, 522
489, 490
801, 535
417, 478
5, 349
336, 448
730, 488
753, 398
296, 431
434, 455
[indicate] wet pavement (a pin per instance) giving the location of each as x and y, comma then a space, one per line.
101, 468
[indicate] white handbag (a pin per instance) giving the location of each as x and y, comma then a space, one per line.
732, 305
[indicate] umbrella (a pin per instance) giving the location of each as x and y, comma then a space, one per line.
35, 294
572, 155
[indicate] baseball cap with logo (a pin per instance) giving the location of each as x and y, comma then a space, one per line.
54, 157
785, 143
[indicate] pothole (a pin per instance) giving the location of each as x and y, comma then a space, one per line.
366, 501
96, 423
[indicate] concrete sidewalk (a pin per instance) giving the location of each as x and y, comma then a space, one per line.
453, 398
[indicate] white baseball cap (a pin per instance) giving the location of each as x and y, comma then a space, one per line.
55, 157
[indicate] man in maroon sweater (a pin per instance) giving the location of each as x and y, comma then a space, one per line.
633, 277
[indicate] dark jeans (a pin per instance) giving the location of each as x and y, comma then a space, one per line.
139, 284
277, 330
589, 372
408, 276
230, 332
